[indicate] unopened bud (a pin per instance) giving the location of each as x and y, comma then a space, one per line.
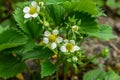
46, 23
75, 28
41, 3
74, 58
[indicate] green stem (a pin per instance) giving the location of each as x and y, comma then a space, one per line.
76, 70
57, 74
40, 20
57, 63
66, 68
28, 69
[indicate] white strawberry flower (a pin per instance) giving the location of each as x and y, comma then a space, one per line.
52, 38
32, 10
69, 46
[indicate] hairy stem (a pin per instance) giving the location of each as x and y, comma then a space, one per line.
57, 74
66, 68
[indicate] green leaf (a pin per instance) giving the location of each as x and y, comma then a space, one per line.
98, 74
105, 33
111, 75
1, 29
86, 6
30, 27
5, 23
19, 17
39, 53
56, 12
47, 68
11, 38
34, 28
48, 2
10, 66
88, 23
30, 44
94, 75
69, 6
112, 3
100, 2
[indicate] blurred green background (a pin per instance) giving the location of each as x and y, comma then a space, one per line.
7, 8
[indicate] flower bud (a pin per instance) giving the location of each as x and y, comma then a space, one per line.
41, 3
74, 58
46, 23
75, 28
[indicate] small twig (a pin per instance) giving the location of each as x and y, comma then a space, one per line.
114, 47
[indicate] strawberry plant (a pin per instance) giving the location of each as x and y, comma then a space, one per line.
50, 33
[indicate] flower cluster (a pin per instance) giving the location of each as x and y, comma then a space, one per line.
51, 38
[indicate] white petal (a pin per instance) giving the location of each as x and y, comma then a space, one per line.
72, 41
33, 3
53, 45
63, 49
38, 8
27, 15
35, 15
55, 32
75, 26
66, 41
47, 33
59, 39
45, 40
76, 48
26, 9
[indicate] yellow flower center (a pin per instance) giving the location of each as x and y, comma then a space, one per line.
69, 46
32, 10
52, 38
